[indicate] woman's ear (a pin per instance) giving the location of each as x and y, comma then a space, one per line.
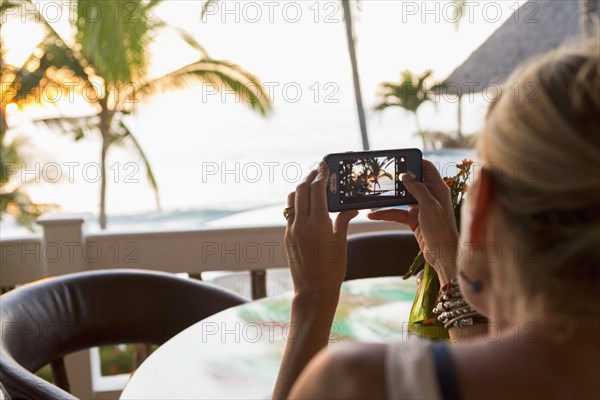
481, 209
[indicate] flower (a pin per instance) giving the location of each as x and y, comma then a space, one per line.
458, 184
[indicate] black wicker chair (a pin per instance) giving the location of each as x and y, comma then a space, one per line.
378, 254
46, 320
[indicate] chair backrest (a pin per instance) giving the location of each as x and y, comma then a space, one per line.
46, 320
378, 254
3, 393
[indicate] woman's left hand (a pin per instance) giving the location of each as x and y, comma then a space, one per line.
316, 246
316, 249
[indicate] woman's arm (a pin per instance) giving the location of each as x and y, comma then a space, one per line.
316, 249
309, 333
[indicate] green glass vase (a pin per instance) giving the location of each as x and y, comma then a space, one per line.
422, 321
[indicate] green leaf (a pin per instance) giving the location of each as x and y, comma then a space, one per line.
416, 267
145, 160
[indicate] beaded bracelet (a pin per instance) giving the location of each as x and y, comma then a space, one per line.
465, 320
452, 310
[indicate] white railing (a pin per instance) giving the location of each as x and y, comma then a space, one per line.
65, 248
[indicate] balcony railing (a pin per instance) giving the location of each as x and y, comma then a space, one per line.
65, 247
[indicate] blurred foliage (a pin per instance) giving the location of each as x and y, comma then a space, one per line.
410, 93
114, 360
436, 140
45, 373
13, 199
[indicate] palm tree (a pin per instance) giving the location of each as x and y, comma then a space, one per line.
350, 37
109, 56
410, 93
376, 170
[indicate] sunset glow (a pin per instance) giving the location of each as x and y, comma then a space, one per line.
11, 108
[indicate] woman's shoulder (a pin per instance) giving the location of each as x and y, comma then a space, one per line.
396, 370
412, 369
349, 370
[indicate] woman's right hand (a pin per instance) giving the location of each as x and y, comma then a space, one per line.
431, 220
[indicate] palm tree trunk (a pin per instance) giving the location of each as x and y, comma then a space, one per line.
459, 131
355, 78
3, 123
419, 131
105, 131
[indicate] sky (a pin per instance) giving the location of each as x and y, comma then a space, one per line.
299, 50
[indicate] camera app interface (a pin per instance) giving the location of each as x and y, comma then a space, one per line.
371, 179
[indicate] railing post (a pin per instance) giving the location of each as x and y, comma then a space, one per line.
63, 246
63, 251
258, 283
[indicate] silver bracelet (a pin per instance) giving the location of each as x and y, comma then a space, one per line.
452, 310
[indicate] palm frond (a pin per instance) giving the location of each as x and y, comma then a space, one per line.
7, 5
189, 39
421, 81
382, 106
152, 3
10, 155
13, 200
206, 6
410, 93
115, 41
219, 73
20, 206
79, 127
126, 132
41, 70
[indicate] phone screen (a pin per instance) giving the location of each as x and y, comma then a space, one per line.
370, 179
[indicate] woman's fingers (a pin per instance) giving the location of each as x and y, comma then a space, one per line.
438, 188
340, 225
392, 215
291, 201
302, 203
419, 191
407, 217
318, 191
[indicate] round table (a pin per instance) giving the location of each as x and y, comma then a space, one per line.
236, 353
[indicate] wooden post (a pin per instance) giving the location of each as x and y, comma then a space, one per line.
62, 252
63, 249
258, 283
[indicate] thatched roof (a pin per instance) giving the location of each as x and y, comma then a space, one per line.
539, 26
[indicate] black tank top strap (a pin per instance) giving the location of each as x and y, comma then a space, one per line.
445, 371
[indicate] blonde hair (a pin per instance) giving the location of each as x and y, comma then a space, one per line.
541, 145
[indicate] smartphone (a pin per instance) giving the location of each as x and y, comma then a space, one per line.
370, 179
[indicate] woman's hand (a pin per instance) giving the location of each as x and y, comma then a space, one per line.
316, 246
316, 249
431, 220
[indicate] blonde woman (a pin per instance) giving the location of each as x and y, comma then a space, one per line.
525, 272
